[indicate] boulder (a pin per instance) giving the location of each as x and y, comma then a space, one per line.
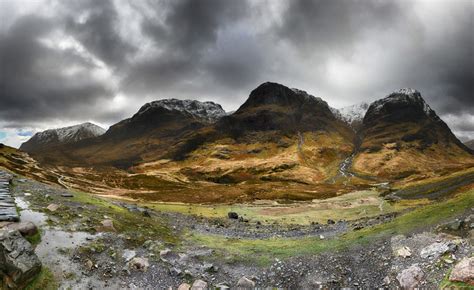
184, 286
128, 255
233, 215
106, 226
52, 207
245, 283
25, 228
410, 277
199, 285
404, 252
140, 264
434, 250
463, 271
18, 261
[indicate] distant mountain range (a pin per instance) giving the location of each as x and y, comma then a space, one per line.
53, 137
278, 134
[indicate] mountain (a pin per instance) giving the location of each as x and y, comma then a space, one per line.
53, 137
147, 135
470, 144
402, 136
278, 134
272, 106
352, 115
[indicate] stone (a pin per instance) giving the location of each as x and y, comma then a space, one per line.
434, 250
107, 226
245, 283
18, 262
404, 252
52, 207
233, 215
128, 255
169, 256
139, 263
463, 271
67, 195
184, 286
199, 285
25, 228
410, 277
89, 265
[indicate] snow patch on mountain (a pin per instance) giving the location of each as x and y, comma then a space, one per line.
208, 111
351, 114
63, 135
404, 95
71, 133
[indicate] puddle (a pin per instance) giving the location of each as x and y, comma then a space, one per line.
27, 215
53, 242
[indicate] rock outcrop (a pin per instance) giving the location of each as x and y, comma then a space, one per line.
18, 261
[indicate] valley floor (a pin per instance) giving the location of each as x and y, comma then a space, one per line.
358, 239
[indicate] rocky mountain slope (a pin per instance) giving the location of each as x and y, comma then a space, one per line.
402, 136
278, 135
470, 144
52, 137
147, 135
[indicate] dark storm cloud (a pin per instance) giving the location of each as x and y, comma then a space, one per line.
98, 31
33, 85
327, 25
345, 51
189, 29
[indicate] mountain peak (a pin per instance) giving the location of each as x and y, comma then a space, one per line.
208, 111
406, 102
63, 135
270, 93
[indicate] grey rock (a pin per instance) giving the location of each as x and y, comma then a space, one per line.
199, 285
233, 215
25, 228
434, 250
18, 261
463, 271
245, 283
410, 277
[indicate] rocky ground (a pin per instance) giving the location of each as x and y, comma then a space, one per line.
88, 243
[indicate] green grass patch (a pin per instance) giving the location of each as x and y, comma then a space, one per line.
264, 250
348, 206
44, 281
34, 239
133, 224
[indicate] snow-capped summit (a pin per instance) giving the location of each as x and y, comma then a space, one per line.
353, 114
406, 96
70, 134
208, 111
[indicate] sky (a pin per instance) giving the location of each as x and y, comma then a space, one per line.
68, 62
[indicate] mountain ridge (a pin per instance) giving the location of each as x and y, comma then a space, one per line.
62, 135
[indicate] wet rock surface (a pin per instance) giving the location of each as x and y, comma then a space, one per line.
18, 262
8, 211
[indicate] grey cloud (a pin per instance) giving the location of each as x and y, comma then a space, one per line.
98, 31
336, 25
221, 50
33, 86
184, 37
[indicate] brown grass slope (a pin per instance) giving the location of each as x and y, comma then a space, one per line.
404, 138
